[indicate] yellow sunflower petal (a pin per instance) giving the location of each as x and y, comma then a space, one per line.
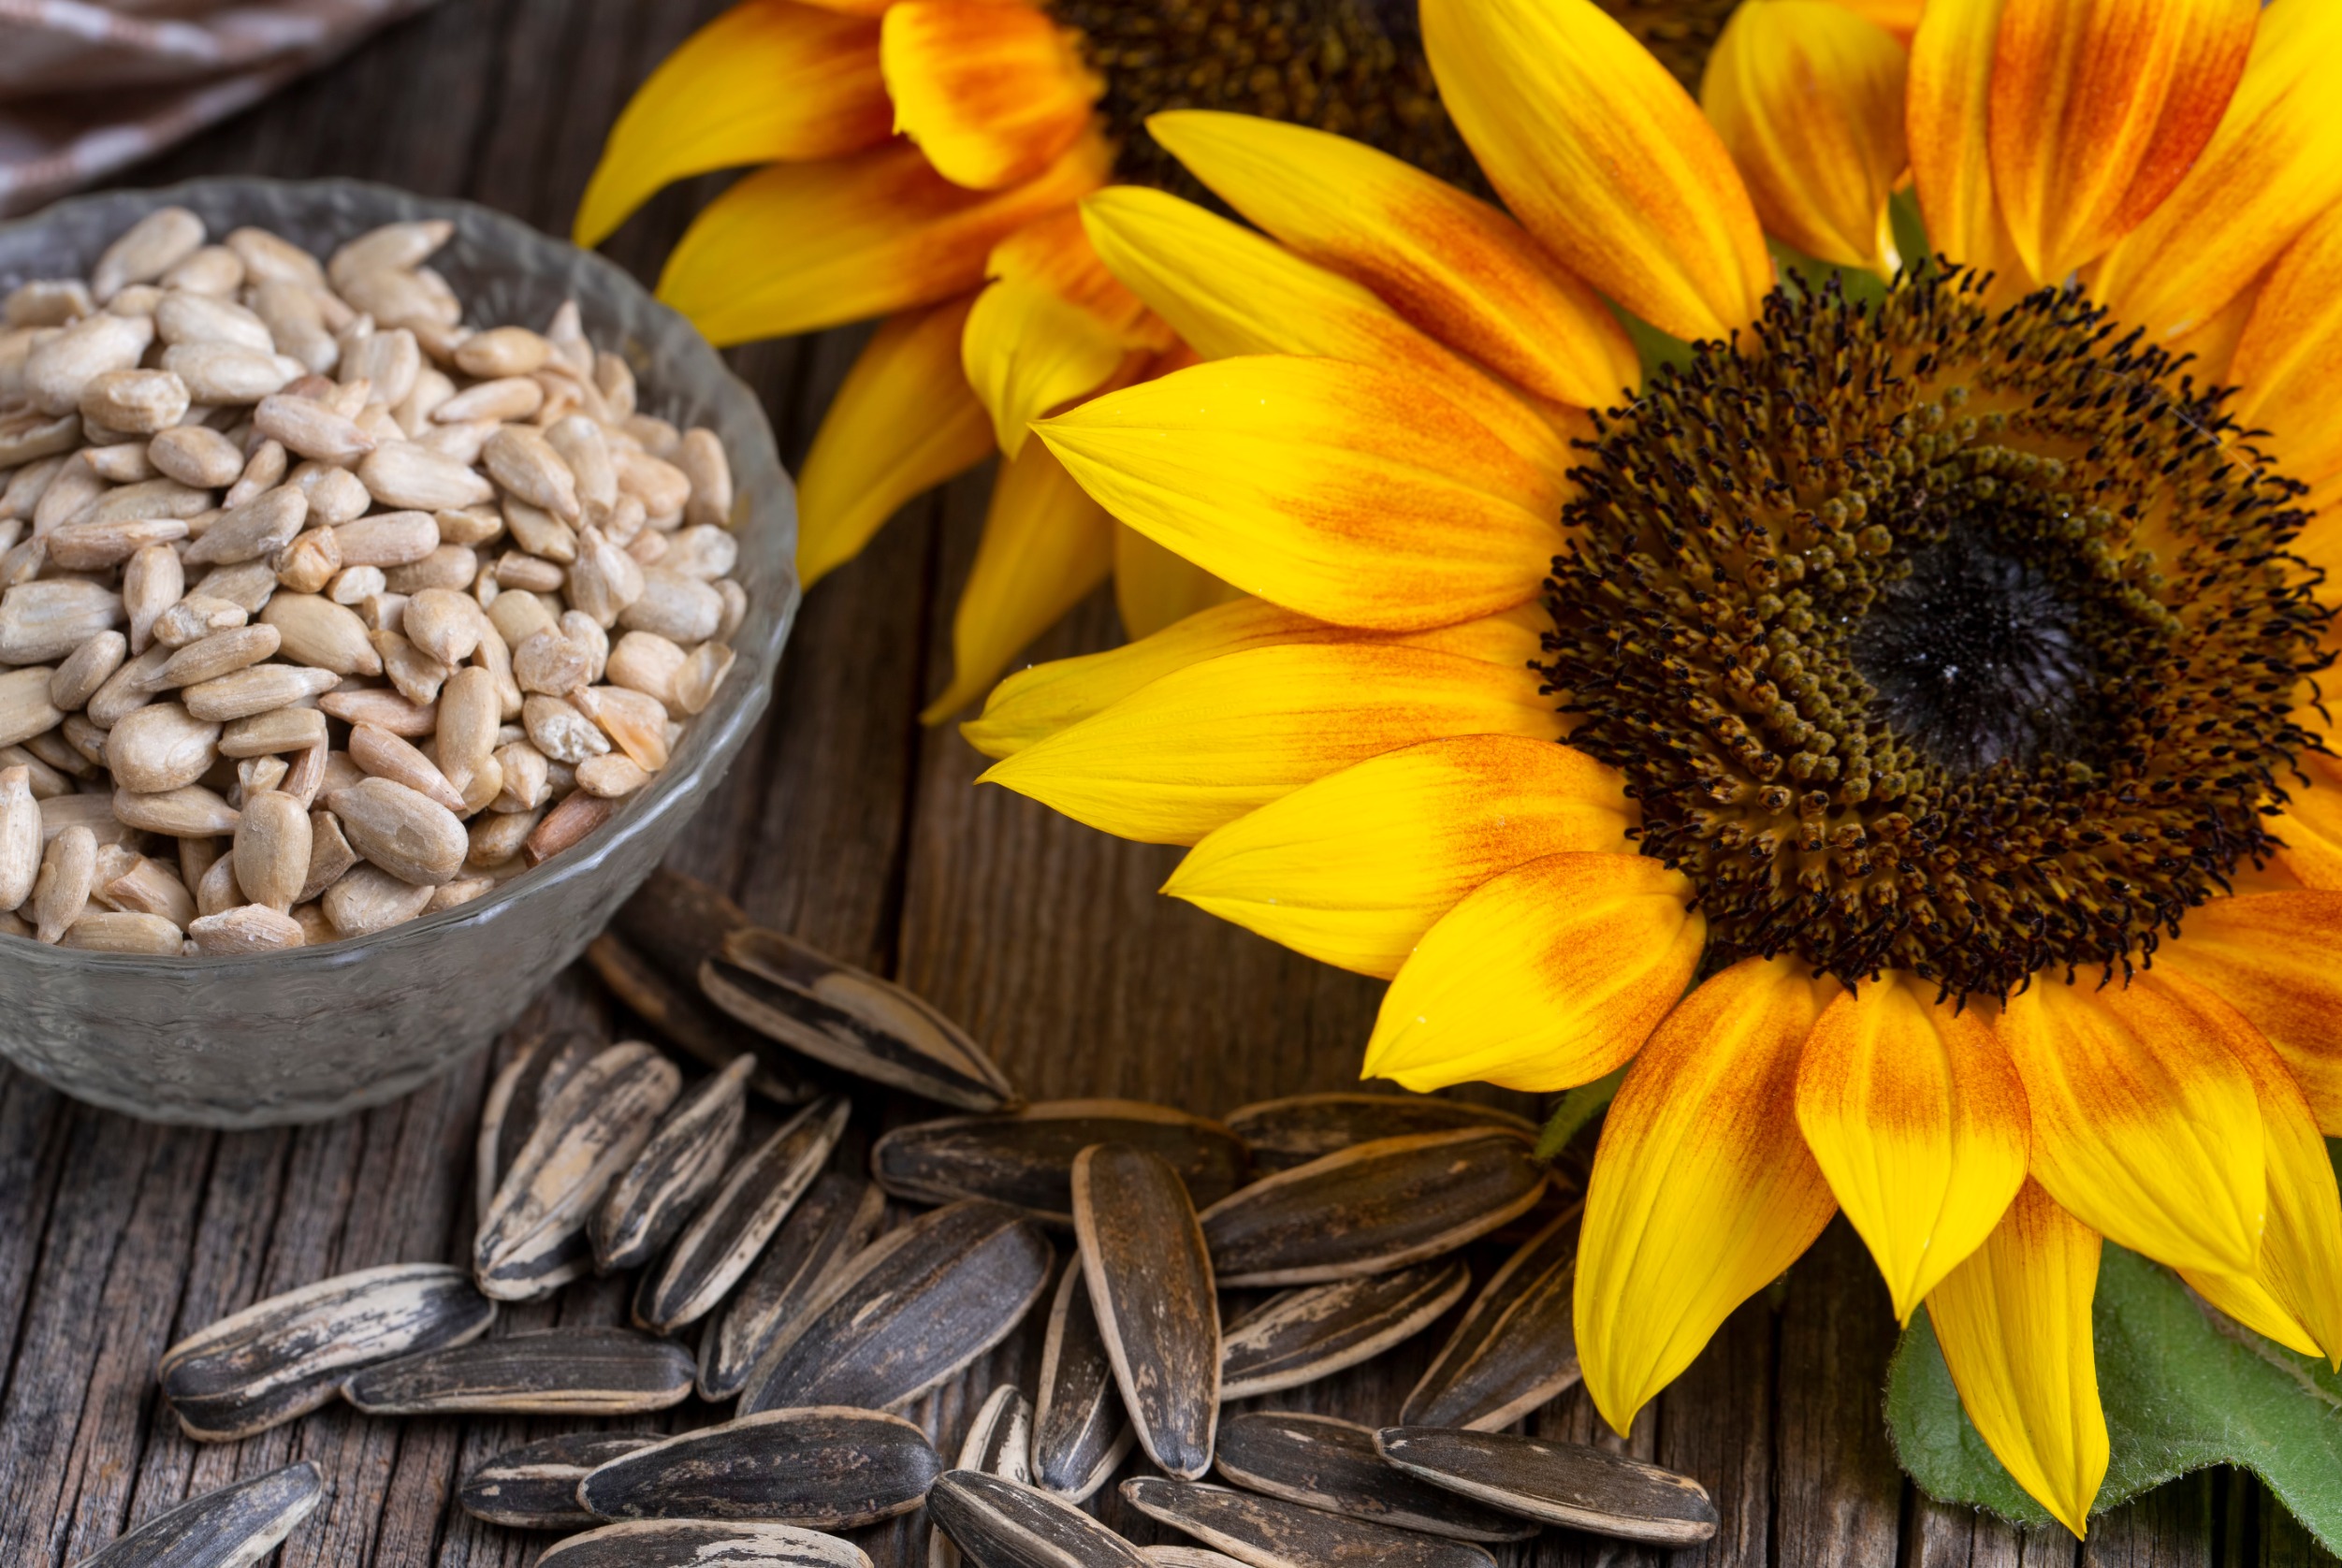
903, 422
1545, 976
2144, 1124
1808, 98
1946, 121
1898, 17
1045, 545
1603, 157
803, 246
2274, 163
2276, 958
1354, 869
2249, 1302
1203, 746
1227, 291
1702, 1189
1027, 351
768, 81
1914, 1114
1449, 262
1054, 252
1348, 492
2289, 359
2014, 1324
1155, 589
991, 93
2300, 1245
2098, 109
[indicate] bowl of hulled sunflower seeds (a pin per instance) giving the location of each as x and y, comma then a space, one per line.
383, 585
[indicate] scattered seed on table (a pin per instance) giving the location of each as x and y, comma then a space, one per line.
1000, 1523
1517, 1346
1311, 1332
831, 1224
1026, 1158
1151, 1293
683, 1161
518, 1099
1571, 1484
703, 1544
535, 1487
1271, 1533
233, 1527
558, 1372
1332, 1464
1284, 1133
828, 1468
1080, 1430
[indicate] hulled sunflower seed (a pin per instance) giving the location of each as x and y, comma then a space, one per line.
855, 1021
1372, 1207
1271, 1533
712, 1254
1081, 1431
1301, 1335
652, 960
234, 1527
531, 1238
1571, 1484
1002, 1524
288, 1355
1517, 1346
535, 1487
832, 1222
701, 1544
561, 1371
1285, 1133
1150, 1287
1332, 1464
825, 1469
915, 1307
684, 1158
1026, 1159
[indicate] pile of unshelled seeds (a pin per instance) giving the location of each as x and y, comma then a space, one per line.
318, 609
820, 1323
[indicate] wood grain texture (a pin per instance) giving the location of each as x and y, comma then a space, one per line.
849, 826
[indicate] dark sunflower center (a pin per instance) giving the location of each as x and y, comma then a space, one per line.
1352, 66
1937, 639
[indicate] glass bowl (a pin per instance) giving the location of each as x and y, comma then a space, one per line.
314, 1032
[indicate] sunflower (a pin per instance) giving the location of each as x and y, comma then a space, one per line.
1888, 738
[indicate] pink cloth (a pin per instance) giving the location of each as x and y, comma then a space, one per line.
86, 88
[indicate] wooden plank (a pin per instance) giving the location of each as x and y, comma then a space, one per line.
1941, 1535
2174, 1526
1838, 1490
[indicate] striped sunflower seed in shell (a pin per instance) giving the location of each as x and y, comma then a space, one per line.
1080, 1430
999, 1523
1151, 1292
1026, 1158
1271, 1533
832, 1222
683, 1161
557, 1371
829, 1468
1311, 1332
1284, 1133
1329, 1464
233, 1527
1575, 1485
535, 1487
1517, 1346
703, 1544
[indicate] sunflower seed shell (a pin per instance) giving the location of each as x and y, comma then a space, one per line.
1080, 1430
535, 1487
710, 1255
561, 1371
1517, 1346
1313, 1330
824, 1469
676, 1008
1372, 1207
1150, 1288
1002, 1524
517, 1098
1571, 1484
234, 1527
1026, 1159
831, 1223
1188, 1557
852, 1020
1271, 1533
1332, 1464
1282, 1134
685, 1157
701, 1544
915, 1306
286, 1355
1000, 1440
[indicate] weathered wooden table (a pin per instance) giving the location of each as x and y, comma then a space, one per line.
850, 825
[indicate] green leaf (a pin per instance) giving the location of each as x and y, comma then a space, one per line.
2184, 1387
1578, 1107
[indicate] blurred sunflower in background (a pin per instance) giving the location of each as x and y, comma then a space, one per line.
1944, 826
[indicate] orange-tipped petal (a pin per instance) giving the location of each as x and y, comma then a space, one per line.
1808, 98
2300, 1245
2097, 109
2276, 958
1045, 545
768, 81
1946, 123
1346, 492
1053, 251
2310, 828
803, 246
903, 422
2274, 163
1449, 262
1203, 746
1354, 869
1027, 351
2289, 362
990, 91
1898, 17
2014, 1324
1603, 157
1547, 977
2144, 1124
1702, 1189
1916, 1117
1155, 589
